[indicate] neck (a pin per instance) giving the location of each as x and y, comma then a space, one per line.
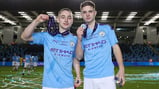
91, 25
61, 30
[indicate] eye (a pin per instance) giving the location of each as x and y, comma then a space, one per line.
83, 12
91, 11
69, 17
62, 17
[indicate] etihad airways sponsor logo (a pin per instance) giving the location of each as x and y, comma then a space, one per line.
95, 45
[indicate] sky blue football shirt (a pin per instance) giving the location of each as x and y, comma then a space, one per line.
98, 53
58, 57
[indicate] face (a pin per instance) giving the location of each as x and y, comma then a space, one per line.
65, 20
88, 14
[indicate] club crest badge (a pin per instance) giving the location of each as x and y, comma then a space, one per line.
72, 44
101, 33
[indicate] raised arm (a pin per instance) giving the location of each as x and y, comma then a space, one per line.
27, 33
79, 50
118, 56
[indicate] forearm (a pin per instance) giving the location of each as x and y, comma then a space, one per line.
76, 65
27, 33
118, 56
79, 50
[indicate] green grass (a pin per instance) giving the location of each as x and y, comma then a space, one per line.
136, 78
141, 78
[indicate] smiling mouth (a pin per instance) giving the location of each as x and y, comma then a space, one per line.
87, 18
66, 24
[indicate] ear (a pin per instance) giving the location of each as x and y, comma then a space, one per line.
57, 19
95, 12
80, 12
81, 15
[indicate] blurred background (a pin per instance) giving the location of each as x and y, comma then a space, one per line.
136, 24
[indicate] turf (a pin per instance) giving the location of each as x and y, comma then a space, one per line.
140, 77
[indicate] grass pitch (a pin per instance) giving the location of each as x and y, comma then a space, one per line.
136, 78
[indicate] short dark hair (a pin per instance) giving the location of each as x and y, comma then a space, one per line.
87, 3
64, 9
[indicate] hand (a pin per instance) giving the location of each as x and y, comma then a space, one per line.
77, 82
42, 18
121, 77
79, 32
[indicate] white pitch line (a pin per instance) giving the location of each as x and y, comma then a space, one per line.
147, 76
14, 85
